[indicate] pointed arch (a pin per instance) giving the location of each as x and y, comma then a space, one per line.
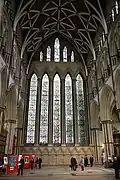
65, 54
48, 54
44, 110
116, 7
72, 57
32, 110
41, 56
69, 109
57, 50
80, 108
56, 110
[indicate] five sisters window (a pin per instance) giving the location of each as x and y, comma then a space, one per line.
56, 95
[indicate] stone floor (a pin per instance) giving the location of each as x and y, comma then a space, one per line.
64, 173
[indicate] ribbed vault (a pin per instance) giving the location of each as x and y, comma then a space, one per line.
76, 20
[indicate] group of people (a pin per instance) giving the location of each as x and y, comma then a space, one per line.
84, 162
21, 163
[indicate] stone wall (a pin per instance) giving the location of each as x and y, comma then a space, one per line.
58, 155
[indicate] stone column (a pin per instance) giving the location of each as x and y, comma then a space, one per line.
25, 112
50, 113
1, 10
38, 107
63, 124
11, 124
95, 143
52, 52
19, 139
75, 122
108, 137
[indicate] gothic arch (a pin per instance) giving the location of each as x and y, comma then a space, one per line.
107, 102
94, 112
117, 85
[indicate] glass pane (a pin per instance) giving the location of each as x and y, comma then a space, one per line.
48, 53
80, 109
65, 54
41, 56
113, 15
32, 110
57, 50
68, 110
116, 5
44, 110
56, 111
72, 57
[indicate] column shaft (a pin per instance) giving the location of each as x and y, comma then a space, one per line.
75, 122
50, 115
63, 124
95, 142
38, 107
108, 138
10, 136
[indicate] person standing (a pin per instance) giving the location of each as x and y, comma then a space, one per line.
37, 163
86, 161
32, 163
116, 166
73, 164
82, 163
40, 162
91, 161
20, 166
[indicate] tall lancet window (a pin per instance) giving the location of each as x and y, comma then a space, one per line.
116, 7
72, 57
48, 54
56, 111
32, 110
57, 50
113, 15
80, 109
68, 109
65, 54
44, 110
41, 56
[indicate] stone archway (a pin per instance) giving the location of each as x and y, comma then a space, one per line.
11, 118
107, 102
117, 85
95, 129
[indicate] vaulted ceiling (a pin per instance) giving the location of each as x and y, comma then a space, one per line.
76, 20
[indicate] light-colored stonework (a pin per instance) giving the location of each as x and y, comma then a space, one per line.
58, 155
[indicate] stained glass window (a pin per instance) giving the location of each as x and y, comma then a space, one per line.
44, 110
56, 111
68, 109
48, 54
57, 50
65, 54
72, 57
32, 110
41, 56
113, 15
116, 7
80, 109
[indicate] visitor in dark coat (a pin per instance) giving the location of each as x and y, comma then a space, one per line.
40, 162
116, 166
91, 161
20, 166
73, 164
32, 163
86, 161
